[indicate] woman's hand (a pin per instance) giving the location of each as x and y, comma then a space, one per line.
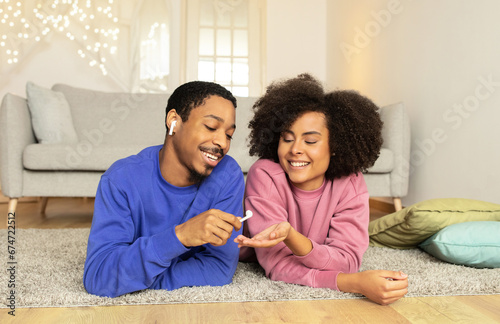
267, 238
282, 232
381, 286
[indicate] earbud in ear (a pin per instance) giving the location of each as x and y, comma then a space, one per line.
172, 125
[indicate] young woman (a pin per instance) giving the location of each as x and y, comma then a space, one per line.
307, 193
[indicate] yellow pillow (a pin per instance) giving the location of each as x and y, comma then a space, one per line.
407, 228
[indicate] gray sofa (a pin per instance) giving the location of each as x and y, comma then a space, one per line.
110, 126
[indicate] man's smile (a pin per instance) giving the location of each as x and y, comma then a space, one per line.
212, 156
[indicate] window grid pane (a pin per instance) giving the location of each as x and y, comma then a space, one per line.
240, 72
240, 43
224, 41
228, 66
207, 41
223, 69
206, 69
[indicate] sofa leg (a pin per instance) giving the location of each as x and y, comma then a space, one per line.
43, 206
12, 205
397, 203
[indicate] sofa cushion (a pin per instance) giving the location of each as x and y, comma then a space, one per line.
384, 163
104, 141
116, 118
50, 115
138, 118
79, 157
239, 149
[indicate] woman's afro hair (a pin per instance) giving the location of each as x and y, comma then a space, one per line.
353, 122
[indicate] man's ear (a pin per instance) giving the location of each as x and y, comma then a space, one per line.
172, 120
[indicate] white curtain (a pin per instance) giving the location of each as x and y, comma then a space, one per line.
150, 41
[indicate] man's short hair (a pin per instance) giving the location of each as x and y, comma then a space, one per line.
193, 94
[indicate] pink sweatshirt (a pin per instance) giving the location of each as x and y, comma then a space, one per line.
334, 217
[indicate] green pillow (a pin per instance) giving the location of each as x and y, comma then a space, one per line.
474, 244
407, 228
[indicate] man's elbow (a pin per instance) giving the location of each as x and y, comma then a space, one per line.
97, 287
100, 291
225, 274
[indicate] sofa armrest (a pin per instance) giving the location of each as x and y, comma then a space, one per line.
16, 133
396, 135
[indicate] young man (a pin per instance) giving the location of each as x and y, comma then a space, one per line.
162, 217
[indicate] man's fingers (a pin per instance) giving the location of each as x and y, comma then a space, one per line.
213, 226
217, 237
222, 225
228, 218
223, 232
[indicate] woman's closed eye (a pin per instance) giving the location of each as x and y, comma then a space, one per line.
287, 138
311, 139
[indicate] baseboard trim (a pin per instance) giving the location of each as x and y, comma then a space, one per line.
382, 205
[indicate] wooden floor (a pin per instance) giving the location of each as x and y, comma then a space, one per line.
77, 213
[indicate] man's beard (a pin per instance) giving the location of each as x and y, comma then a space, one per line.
197, 178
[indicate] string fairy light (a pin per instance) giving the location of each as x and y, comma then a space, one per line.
91, 23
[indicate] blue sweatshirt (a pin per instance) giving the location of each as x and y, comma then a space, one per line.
132, 243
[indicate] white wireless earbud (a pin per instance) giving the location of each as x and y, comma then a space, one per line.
172, 125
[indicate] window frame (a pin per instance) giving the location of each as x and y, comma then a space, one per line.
255, 47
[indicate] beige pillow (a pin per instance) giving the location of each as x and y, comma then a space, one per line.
412, 225
50, 115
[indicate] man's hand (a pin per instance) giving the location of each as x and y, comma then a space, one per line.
213, 226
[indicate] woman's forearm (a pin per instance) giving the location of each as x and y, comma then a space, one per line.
298, 243
347, 282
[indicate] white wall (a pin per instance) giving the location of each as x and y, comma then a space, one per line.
296, 38
433, 55
441, 58
55, 60
296, 43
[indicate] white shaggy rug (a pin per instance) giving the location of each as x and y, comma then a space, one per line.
50, 264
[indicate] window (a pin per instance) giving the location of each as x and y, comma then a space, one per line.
175, 41
221, 35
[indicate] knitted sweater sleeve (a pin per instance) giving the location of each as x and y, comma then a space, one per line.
119, 263
341, 251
